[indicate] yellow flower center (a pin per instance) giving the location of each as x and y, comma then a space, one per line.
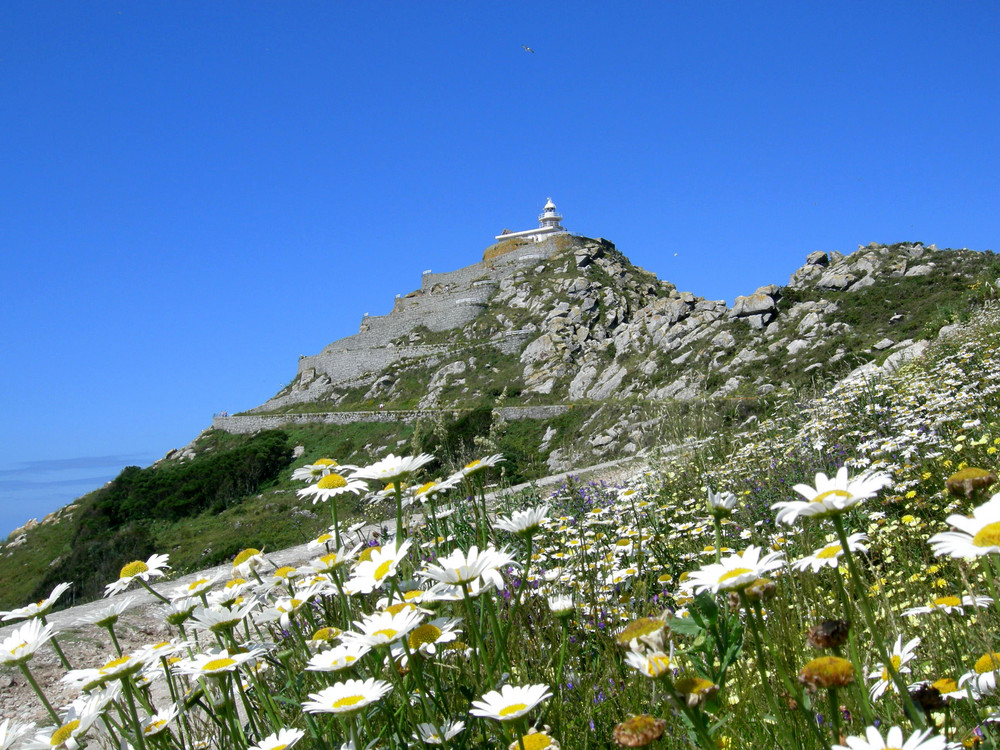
987, 663
348, 700
415, 594
326, 634
215, 664
734, 573
325, 462
154, 726
659, 665
235, 582
426, 633
133, 569
473, 464
395, 609
389, 633
324, 538
945, 685
366, 553
244, 556
829, 552
947, 601
196, 584
382, 570
693, 685
831, 493
536, 741
284, 572
514, 708
278, 747
895, 661
988, 536
425, 487
112, 665
63, 733
332, 482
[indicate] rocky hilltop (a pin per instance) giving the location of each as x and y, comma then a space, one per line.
570, 322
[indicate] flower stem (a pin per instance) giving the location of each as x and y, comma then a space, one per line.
31, 680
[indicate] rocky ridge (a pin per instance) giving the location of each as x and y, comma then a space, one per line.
574, 322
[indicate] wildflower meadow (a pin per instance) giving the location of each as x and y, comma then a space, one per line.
826, 578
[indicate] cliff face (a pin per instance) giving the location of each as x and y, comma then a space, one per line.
571, 320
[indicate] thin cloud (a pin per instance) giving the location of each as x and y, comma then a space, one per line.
117, 462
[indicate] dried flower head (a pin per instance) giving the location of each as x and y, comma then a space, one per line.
639, 731
968, 480
829, 634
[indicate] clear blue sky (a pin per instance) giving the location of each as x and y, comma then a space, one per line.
192, 194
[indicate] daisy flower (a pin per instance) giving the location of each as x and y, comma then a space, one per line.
984, 673
154, 567
380, 566
393, 468
522, 521
481, 464
510, 702
829, 556
652, 664
337, 658
248, 561
900, 656
949, 605
280, 740
215, 663
332, 485
219, 619
830, 497
346, 697
317, 470
460, 568
23, 642
383, 627
109, 615
11, 733
431, 735
721, 504
426, 639
38, 608
923, 740
159, 721
978, 535
735, 572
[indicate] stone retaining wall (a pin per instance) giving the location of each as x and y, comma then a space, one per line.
250, 423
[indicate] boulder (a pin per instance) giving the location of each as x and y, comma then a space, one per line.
755, 304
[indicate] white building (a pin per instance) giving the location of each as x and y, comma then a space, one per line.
548, 225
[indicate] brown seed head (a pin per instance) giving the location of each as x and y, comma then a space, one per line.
967, 481
639, 731
927, 697
828, 634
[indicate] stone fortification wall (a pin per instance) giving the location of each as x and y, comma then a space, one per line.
445, 301
250, 423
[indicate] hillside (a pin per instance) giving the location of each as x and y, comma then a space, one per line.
621, 361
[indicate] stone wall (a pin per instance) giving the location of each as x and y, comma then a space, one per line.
250, 423
445, 301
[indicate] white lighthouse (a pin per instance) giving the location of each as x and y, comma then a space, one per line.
548, 225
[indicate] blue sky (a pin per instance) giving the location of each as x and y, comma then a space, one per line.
192, 194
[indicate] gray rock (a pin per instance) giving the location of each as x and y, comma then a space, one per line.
837, 281
818, 258
862, 283
920, 270
724, 340
883, 344
797, 346
808, 322
755, 304
581, 382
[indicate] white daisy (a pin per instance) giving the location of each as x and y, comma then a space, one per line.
900, 656
510, 702
346, 697
923, 740
393, 468
735, 572
332, 485
38, 608
829, 556
154, 567
522, 521
22, 643
830, 496
978, 535
337, 658
431, 735
280, 740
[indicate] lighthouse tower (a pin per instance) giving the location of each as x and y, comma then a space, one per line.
548, 225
